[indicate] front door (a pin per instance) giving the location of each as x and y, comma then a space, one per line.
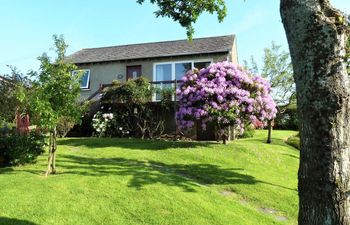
133, 72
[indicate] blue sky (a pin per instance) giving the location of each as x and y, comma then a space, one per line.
27, 26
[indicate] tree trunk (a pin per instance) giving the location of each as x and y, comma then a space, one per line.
234, 133
269, 127
316, 37
224, 139
49, 159
51, 162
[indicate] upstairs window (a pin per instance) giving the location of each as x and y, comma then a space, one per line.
84, 79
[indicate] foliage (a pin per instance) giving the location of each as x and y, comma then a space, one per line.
55, 89
103, 124
278, 70
187, 12
294, 141
130, 179
7, 100
225, 94
8, 92
54, 95
248, 132
20, 149
64, 125
6, 128
288, 120
133, 91
127, 110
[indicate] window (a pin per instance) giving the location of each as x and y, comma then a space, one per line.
181, 69
163, 73
201, 65
174, 70
84, 79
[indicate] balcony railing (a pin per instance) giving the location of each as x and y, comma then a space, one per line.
166, 82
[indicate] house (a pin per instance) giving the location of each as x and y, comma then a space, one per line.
157, 61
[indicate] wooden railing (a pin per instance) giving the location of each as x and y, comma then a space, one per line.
103, 86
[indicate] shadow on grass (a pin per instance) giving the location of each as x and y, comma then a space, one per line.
274, 141
292, 156
132, 144
6, 170
10, 221
186, 176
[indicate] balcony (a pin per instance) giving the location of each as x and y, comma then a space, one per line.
168, 83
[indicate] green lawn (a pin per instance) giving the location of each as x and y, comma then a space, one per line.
129, 181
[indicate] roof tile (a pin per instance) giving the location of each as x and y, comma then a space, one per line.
154, 50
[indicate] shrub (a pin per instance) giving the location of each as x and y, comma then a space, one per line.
248, 132
294, 141
64, 126
225, 94
288, 120
104, 125
127, 110
20, 149
6, 128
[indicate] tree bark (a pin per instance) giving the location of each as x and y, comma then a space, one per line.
51, 162
316, 38
224, 139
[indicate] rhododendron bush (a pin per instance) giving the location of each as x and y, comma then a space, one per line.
225, 94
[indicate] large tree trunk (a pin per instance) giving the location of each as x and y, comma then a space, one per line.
316, 37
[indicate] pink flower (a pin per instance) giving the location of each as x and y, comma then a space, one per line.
225, 93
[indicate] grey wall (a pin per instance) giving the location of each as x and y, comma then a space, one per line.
105, 73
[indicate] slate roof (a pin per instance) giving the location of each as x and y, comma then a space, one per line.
207, 45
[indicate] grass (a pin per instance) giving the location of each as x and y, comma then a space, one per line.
122, 181
294, 141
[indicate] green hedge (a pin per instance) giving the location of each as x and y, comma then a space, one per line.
20, 149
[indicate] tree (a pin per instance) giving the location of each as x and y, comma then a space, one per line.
187, 12
7, 100
226, 95
278, 70
54, 96
317, 35
8, 86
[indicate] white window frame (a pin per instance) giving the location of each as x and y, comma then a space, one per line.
173, 69
88, 83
